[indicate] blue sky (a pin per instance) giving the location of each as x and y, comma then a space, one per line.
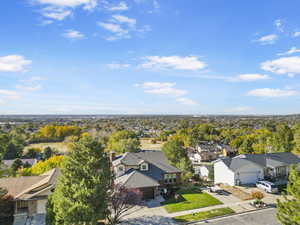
149, 57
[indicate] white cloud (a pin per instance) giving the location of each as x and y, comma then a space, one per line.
122, 6
114, 66
124, 19
116, 29
290, 52
269, 92
173, 62
267, 39
168, 89
13, 63
279, 25
160, 88
87, 4
61, 9
249, 77
9, 94
35, 78
55, 13
186, 101
35, 87
122, 27
284, 65
30, 84
296, 34
73, 34
240, 109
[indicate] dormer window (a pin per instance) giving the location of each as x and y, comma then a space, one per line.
144, 166
121, 168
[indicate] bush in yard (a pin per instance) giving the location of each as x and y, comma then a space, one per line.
257, 195
6, 208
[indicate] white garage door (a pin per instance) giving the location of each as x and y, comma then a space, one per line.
248, 177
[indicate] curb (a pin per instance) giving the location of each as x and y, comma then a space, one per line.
228, 215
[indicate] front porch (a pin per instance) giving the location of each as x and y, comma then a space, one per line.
276, 174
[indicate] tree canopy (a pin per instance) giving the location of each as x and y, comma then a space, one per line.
123, 141
289, 209
81, 194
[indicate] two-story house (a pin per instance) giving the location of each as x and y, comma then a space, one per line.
147, 170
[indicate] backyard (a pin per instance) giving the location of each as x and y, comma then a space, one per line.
190, 198
61, 147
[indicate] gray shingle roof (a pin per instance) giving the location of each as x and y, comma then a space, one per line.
25, 187
157, 161
135, 179
263, 160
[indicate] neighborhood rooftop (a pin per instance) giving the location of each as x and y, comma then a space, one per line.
263, 160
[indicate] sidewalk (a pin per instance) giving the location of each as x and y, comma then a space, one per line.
242, 206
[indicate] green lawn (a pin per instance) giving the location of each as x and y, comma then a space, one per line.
204, 215
62, 147
191, 198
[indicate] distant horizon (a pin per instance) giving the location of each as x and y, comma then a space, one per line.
190, 115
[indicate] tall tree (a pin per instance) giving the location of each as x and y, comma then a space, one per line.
177, 156
81, 194
174, 151
123, 141
121, 203
289, 209
296, 131
282, 140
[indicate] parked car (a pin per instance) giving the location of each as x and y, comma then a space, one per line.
267, 186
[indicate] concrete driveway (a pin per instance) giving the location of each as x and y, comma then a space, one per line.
148, 209
225, 197
269, 198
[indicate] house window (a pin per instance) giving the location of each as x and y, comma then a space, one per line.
170, 178
281, 171
121, 168
144, 167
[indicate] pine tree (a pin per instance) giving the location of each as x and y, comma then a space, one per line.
81, 194
289, 209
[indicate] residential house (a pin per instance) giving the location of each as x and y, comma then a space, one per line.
250, 168
147, 170
8, 163
30, 193
203, 171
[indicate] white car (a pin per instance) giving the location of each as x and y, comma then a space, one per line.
267, 186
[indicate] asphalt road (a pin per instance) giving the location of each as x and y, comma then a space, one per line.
262, 217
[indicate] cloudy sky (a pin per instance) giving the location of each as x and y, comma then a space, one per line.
149, 57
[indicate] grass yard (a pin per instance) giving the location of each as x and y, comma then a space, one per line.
147, 145
191, 198
60, 146
204, 215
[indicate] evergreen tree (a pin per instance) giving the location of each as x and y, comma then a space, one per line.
81, 194
297, 138
289, 209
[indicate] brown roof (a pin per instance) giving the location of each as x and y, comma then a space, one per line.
27, 187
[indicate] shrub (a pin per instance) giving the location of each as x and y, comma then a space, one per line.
257, 195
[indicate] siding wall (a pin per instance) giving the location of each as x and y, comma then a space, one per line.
250, 173
223, 174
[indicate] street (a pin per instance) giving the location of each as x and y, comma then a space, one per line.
263, 217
